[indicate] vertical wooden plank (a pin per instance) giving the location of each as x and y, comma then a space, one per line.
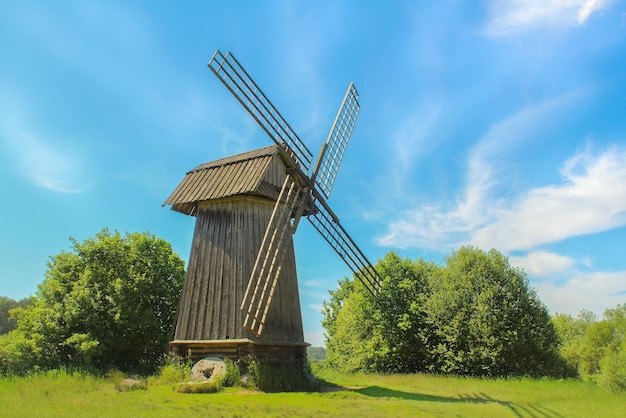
202, 243
225, 274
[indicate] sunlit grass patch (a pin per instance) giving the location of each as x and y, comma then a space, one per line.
53, 394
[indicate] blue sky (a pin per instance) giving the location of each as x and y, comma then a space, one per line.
498, 124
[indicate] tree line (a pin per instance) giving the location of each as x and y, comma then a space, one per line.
474, 315
110, 302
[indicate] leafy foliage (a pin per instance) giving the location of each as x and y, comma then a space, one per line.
487, 320
110, 302
476, 315
596, 349
274, 378
8, 322
389, 334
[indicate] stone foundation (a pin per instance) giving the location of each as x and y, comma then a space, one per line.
275, 354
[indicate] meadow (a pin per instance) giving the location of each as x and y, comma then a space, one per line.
59, 394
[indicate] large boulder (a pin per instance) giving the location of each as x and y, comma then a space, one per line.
208, 370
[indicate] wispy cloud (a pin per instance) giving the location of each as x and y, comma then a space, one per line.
43, 160
443, 225
591, 198
45, 167
512, 16
408, 141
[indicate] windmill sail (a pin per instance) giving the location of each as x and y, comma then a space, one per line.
327, 224
237, 80
335, 146
299, 192
285, 217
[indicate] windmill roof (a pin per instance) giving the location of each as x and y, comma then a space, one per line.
258, 172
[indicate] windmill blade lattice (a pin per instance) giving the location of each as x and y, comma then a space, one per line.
327, 224
337, 142
237, 80
285, 217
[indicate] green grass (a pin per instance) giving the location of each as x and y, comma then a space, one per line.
62, 394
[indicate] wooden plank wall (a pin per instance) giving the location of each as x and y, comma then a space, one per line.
226, 239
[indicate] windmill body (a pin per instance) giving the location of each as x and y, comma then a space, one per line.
241, 293
233, 200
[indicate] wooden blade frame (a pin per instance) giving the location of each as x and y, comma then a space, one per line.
298, 191
327, 224
327, 165
237, 80
285, 218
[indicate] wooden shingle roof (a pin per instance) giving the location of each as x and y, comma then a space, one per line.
260, 172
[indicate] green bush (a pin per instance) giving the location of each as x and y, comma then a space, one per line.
18, 355
596, 349
109, 302
283, 378
475, 315
176, 369
232, 377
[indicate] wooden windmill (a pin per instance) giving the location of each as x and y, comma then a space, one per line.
241, 292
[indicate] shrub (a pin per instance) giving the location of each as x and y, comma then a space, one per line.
283, 378
613, 370
175, 370
232, 377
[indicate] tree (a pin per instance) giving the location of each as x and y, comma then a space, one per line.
487, 320
476, 315
7, 322
110, 302
613, 363
353, 341
596, 349
571, 333
387, 333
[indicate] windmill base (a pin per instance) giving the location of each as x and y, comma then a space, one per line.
275, 354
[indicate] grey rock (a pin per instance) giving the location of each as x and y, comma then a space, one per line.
246, 379
130, 384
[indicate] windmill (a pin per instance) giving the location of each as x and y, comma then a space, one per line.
241, 294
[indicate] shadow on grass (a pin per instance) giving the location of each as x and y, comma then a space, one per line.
479, 398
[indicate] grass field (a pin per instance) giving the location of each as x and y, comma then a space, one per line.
61, 394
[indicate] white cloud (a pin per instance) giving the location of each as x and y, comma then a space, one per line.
595, 291
511, 16
590, 199
543, 263
436, 226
